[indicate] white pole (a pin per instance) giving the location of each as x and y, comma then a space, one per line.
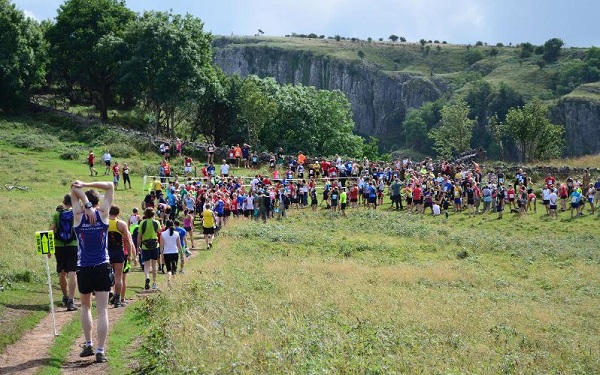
50, 294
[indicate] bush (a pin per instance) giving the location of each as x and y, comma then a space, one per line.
70, 155
36, 142
123, 150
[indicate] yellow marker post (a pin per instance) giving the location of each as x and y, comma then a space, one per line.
45, 246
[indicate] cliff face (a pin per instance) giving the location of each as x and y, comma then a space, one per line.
581, 118
379, 99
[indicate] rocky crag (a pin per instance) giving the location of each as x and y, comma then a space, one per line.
380, 99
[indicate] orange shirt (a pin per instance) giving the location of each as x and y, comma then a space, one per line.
301, 158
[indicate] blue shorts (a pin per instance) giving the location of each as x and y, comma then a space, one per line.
151, 254
116, 256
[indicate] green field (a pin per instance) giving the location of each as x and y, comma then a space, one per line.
378, 292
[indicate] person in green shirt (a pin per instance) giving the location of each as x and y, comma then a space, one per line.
65, 254
343, 201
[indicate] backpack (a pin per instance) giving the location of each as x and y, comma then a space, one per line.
64, 230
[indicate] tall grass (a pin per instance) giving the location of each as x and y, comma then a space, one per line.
382, 292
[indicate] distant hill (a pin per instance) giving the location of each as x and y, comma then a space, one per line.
383, 80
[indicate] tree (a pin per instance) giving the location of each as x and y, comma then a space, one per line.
256, 108
213, 112
261, 32
92, 27
169, 63
552, 50
455, 131
494, 52
473, 55
422, 42
415, 130
402, 39
393, 38
361, 54
535, 137
22, 54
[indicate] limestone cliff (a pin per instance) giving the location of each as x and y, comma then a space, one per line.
379, 99
581, 118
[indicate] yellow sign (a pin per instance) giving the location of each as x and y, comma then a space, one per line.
45, 242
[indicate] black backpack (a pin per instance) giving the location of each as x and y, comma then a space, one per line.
64, 230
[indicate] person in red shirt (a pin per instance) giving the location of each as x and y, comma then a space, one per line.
354, 196
91, 157
116, 174
549, 180
325, 168
417, 196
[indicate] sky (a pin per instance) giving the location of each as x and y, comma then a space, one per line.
454, 21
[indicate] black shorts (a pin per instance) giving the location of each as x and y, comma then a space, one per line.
116, 256
66, 258
546, 202
343, 206
151, 254
107, 162
171, 262
209, 230
98, 278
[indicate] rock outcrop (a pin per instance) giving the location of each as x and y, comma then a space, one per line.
581, 118
379, 98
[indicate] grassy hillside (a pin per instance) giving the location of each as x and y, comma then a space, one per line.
378, 292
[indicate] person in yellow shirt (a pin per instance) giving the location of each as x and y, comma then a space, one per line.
208, 225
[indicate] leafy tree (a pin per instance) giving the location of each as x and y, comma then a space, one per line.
502, 99
317, 122
473, 55
479, 43
393, 38
261, 32
93, 27
361, 54
552, 49
337, 38
535, 137
370, 149
455, 131
169, 62
256, 108
402, 39
22, 54
213, 112
369, 39
381, 39
415, 130
422, 42
494, 52
541, 63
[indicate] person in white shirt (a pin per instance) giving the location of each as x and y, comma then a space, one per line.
552, 202
107, 161
225, 169
170, 247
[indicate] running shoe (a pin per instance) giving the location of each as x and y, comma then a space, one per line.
147, 285
154, 287
71, 305
65, 300
101, 358
87, 351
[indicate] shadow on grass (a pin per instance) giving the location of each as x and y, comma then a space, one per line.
44, 307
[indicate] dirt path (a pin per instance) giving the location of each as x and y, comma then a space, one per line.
31, 352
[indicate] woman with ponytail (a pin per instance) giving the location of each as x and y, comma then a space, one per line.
170, 246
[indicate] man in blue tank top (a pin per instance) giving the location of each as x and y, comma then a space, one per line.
94, 273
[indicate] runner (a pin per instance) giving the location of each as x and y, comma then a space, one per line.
91, 160
147, 243
107, 162
94, 273
65, 252
126, 179
120, 251
170, 247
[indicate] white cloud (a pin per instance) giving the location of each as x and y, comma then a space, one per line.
30, 14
